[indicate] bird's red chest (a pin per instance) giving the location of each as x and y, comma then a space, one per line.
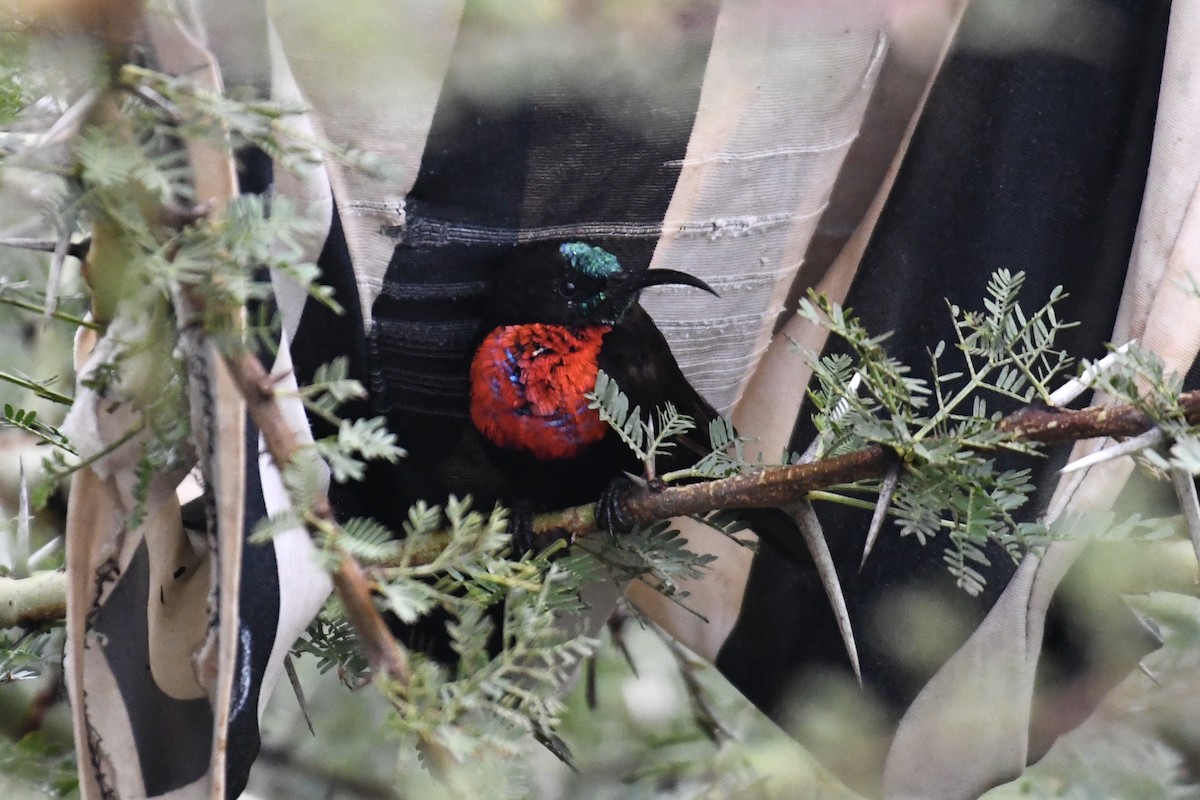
527, 389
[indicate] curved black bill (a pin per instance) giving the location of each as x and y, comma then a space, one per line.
659, 277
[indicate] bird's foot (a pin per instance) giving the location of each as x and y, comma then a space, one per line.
524, 539
610, 508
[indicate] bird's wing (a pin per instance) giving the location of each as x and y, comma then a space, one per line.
639, 359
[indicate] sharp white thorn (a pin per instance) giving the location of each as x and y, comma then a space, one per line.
290, 668
20, 556
1189, 504
66, 126
44, 552
1127, 447
1064, 494
890, 480
1077, 386
810, 528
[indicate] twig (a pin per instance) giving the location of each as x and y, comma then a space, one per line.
37, 388
383, 652
39, 599
689, 665
385, 655
777, 486
27, 306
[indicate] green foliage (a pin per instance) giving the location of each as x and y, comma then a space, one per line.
656, 553
520, 688
331, 640
358, 441
174, 102
1005, 352
14, 92
647, 439
643, 437
453, 561
28, 654
452, 565
1139, 377
942, 429
28, 421
369, 541
726, 457
251, 235
330, 388
36, 762
39, 388
120, 172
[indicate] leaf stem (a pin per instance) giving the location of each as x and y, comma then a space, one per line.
25, 305
840, 499
38, 389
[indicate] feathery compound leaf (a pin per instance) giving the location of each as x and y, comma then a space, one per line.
302, 479
948, 487
368, 540
28, 421
331, 639
721, 433
330, 388
409, 600
268, 528
358, 441
719, 462
613, 407
670, 424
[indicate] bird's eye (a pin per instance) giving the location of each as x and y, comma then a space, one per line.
566, 289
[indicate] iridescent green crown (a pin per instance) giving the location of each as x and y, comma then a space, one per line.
595, 262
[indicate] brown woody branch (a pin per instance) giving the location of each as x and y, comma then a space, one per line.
40, 599
776, 486
385, 655
383, 652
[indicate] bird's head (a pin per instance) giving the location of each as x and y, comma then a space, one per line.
572, 284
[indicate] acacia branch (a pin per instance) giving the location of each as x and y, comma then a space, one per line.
776, 486
385, 655
41, 598
383, 652
36, 600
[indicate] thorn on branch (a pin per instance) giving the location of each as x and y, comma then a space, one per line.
806, 520
890, 481
289, 667
1150, 438
1184, 484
